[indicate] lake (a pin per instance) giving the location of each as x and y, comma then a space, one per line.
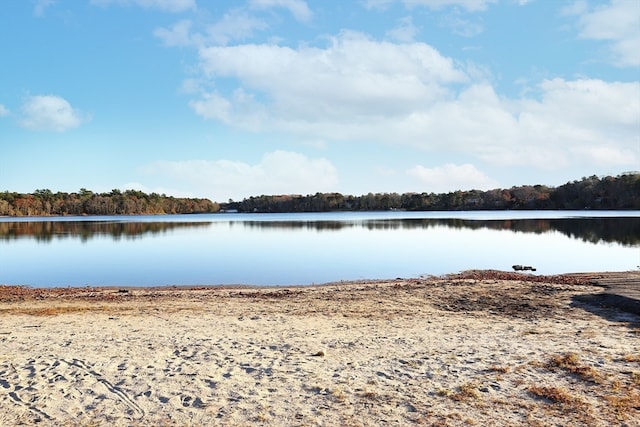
289, 249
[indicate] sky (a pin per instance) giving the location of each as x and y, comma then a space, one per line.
232, 99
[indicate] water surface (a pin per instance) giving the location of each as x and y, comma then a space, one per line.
285, 249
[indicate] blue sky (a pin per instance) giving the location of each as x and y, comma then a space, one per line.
229, 99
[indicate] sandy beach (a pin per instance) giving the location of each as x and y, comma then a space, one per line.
479, 348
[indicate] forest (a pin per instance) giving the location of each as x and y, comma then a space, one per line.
86, 202
620, 192
599, 193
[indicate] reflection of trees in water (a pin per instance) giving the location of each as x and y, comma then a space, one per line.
301, 225
623, 230
46, 231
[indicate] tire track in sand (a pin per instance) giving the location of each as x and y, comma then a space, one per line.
124, 397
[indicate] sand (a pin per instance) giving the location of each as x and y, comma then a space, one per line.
473, 349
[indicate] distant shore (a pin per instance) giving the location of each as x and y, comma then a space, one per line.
477, 348
592, 192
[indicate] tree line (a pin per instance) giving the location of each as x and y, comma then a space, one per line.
620, 192
86, 202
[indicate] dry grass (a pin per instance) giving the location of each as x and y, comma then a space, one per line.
631, 358
621, 396
499, 369
444, 392
56, 310
623, 405
466, 391
338, 395
555, 394
566, 360
369, 394
570, 362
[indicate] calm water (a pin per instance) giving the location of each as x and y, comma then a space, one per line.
284, 249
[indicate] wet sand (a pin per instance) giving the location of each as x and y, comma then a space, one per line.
480, 348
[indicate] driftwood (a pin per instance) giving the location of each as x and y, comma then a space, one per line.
518, 267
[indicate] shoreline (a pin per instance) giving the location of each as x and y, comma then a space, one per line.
476, 348
477, 274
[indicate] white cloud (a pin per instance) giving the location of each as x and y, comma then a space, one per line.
618, 23
456, 19
41, 6
298, 8
470, 5
353, 80
590, 102
545, 133
451, 177
405, 32
610, 156
158, 190
50, 113
460, 25
578, 7
165, 5
4, 111
377, 4
236, 24
213, 106
359, 89
575, 116
179, 34
278, 172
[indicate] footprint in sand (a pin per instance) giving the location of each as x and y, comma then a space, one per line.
120, 394
11, 374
